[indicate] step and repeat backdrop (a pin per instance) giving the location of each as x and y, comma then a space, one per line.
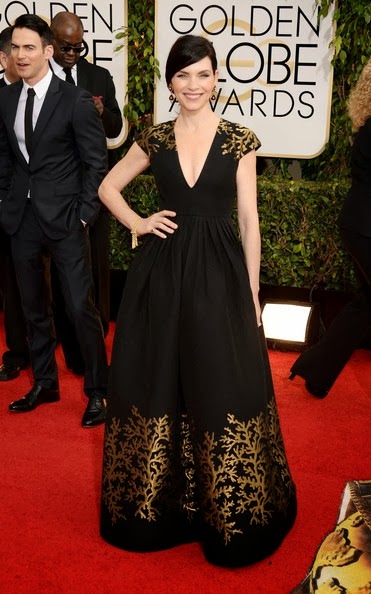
274, 59
275, 73
101, 20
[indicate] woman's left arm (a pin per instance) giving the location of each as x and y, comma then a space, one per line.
248, 221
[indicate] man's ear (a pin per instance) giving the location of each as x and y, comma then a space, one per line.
49, 51
3, 60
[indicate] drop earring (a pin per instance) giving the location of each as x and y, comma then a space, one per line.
171, 96
213, 96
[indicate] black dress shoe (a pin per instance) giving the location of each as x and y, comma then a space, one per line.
37, 395
316, 391
9, 372
95, 412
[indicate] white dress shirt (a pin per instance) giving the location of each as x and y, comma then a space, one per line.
58, 70
40, 89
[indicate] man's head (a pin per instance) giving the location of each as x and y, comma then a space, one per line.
6, 59
31, 47
68, 32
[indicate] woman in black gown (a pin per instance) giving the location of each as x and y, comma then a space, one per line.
193, 448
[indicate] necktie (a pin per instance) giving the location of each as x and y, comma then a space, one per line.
68, 74
28, 127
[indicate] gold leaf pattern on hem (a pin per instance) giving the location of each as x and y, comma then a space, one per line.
246, 472
188, 498
242, 471
136, 464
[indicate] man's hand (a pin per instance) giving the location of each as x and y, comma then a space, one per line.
98, 104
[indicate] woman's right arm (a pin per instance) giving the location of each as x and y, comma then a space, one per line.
134, 162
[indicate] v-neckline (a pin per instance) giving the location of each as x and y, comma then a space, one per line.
205, 161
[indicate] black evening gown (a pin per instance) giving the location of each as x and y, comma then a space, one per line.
193, 448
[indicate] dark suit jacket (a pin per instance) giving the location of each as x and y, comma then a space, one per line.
98, 82
68, 161
356, 211
2, 83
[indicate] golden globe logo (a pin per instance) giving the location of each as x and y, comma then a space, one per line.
274, 64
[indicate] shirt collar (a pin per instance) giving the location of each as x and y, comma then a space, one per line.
42, 86
57, 68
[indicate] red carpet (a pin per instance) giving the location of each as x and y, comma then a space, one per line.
50, 487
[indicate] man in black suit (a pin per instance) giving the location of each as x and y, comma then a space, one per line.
52, 160
68, 43
17, 356
67, 63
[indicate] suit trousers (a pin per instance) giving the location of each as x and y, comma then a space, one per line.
71, 257
14, 323
99, 246
321, 364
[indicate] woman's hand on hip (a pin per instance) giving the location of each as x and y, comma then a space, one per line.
159, 224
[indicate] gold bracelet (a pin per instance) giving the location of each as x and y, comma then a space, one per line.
134, 235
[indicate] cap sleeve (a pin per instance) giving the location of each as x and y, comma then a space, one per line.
246, 141
238, 140
142, 139
151, 139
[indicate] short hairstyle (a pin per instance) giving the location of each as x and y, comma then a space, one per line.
187, 50
6, 40
66, 18
37, 24
359, 104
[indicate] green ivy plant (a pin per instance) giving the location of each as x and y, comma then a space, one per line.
301, 246
142, 64
352, 49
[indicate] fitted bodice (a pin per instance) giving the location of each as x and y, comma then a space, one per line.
214, 191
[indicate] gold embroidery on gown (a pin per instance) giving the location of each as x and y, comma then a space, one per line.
136, 466
161, 135
237, 138
238, 471
213, 469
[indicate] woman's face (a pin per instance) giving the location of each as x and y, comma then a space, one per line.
194, 84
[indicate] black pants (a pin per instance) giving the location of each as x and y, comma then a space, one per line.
66, 335
322, 363
71, 257
14, 323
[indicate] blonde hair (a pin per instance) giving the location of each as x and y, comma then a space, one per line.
359, 104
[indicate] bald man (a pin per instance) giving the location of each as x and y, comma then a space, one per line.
68, 64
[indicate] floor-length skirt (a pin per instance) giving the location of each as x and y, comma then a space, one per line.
193, 446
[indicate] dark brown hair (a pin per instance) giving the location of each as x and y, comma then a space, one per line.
6, 40
37, 24
187, 50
